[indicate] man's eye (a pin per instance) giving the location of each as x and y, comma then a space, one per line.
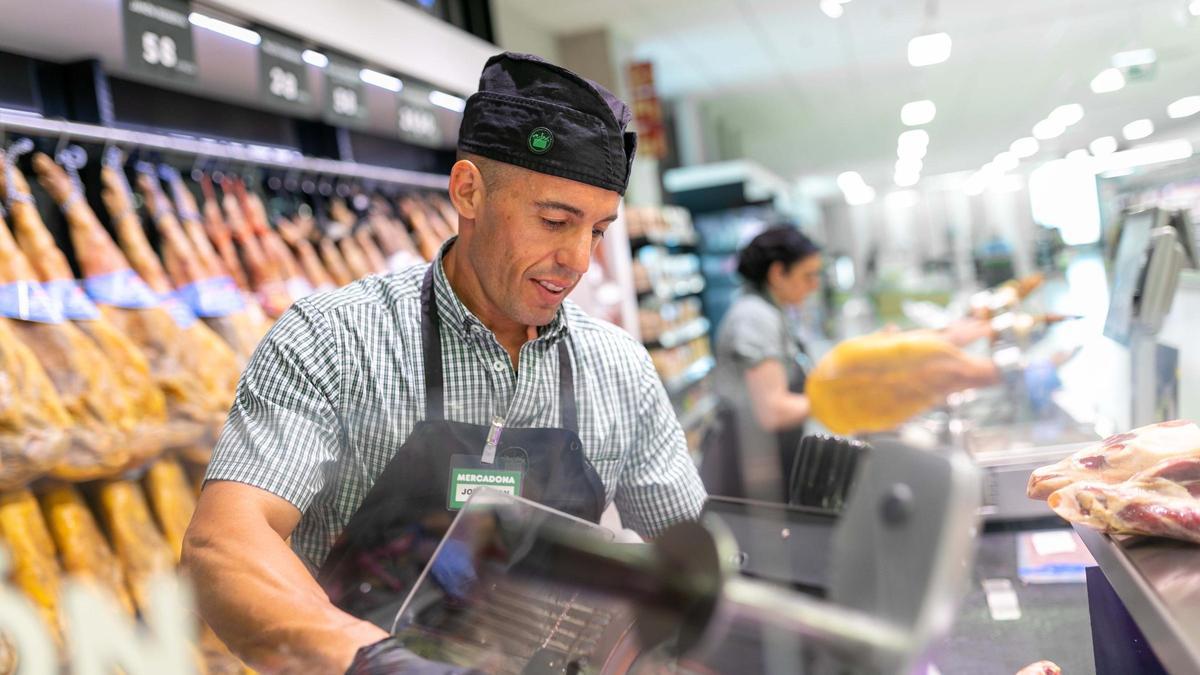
598, 233
554, 224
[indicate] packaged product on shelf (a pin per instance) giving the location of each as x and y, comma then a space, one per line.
220, 234
171, 499
265, 276
103, 418
296, 232
84, 552
34, 566
196, 370
427, 239
352, 253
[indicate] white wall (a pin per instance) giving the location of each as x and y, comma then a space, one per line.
516, 31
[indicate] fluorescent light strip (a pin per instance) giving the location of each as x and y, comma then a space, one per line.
314, 58
917, 113
1142, 155
1067, 115
1184, 107
447, 101
928, 50
1133, 58
1105, 145
1137, 130
832, 8
1024, 147
381, 80
225, 28
1109, 80
1047, 129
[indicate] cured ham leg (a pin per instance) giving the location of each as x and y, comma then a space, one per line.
1118, 457
876, 382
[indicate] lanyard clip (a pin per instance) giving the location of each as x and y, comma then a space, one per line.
493, 440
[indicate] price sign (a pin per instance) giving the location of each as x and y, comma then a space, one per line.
158, 39
345, 100
417, 119
282, 73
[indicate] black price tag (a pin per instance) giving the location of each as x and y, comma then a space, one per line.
417, 119
345, 98
282, 73
158, 39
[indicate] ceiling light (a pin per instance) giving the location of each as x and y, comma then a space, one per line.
314, 58
1047, 129
1105, 145
917, 113
1184, 107
1078, 154
447, 101
902, 199
911, 152
224, 28
1109, 80
1024, 147
1006, 161
861, 195
1151, 153
1137, 130
913, 137
1194, 8
1134, 58
927, 50
849, 180
909, 165
1068, 114
832, 8
906, 178
380, 79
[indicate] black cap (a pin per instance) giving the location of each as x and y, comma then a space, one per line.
536, 115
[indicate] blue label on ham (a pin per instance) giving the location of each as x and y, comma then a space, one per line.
213, 298
28, 301
123, 288
74, 303
178, 309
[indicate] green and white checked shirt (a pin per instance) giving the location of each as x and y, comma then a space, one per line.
337, 385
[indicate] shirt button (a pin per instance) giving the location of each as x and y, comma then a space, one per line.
498, 366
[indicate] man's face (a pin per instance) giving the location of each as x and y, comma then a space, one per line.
533, 239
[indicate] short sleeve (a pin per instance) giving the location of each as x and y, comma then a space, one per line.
659, 485
756, 333
283, 433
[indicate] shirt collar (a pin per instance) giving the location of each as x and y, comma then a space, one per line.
454, 313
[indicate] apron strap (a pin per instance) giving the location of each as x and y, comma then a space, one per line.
431, 347
566, 388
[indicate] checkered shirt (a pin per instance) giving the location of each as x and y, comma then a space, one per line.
337, 385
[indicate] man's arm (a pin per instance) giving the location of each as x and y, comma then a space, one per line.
256, 594
659, 485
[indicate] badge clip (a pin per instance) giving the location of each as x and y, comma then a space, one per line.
493, 441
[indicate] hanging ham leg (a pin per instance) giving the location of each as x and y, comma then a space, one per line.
296, 232
221, 235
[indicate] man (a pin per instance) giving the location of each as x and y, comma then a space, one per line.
363, 405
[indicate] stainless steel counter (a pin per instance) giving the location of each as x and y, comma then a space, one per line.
1158, 580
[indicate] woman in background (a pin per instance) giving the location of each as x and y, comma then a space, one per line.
760, 371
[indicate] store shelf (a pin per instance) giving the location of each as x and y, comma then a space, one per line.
1158, 580
679, 336
690, 377
674, 244
699, 413
261, 155
689, 286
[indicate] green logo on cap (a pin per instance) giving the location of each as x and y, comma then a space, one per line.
541, 140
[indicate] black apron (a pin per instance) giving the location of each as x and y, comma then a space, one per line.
721, 463
378, 557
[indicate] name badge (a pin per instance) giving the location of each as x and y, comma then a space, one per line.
468, 475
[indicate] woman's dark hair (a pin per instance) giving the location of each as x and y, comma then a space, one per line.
778, 243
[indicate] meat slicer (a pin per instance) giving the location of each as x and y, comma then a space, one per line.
517, 588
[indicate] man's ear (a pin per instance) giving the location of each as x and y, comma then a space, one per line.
466, 188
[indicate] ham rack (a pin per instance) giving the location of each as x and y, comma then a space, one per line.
245, 153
